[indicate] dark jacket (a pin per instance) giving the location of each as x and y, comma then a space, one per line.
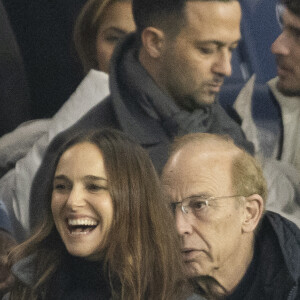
275, 273
143, 111
76, 278
278, 248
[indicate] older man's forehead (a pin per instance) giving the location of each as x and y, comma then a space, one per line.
194, 152
199, 174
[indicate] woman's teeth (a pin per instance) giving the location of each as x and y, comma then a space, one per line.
81, 226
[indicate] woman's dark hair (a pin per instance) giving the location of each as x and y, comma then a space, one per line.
142, 254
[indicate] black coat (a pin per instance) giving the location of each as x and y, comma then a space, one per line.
277, 270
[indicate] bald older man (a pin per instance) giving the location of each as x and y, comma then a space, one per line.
231, 247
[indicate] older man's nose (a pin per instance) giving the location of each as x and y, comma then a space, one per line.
183, 224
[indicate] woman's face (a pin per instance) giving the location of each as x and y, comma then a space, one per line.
81, 205
117, 21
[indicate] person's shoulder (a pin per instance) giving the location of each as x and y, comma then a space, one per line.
277, 219
279, 232
100, 115
25, 270
288, 232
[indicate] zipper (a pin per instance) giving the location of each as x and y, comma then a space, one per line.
291, 293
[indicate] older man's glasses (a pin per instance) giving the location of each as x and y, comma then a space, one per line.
199, 206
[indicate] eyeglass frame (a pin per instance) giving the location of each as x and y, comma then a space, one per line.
205, 201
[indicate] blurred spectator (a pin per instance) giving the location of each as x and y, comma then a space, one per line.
270, 114
259, 28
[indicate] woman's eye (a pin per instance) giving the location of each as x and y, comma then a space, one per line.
60, 187
95, 187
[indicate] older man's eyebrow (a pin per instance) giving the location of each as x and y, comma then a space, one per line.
200, 195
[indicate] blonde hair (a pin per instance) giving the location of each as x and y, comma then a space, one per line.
86, 29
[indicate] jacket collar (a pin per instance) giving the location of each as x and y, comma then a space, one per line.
287, 235
278, 240
25, 271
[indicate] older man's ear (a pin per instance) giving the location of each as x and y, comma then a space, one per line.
253, 210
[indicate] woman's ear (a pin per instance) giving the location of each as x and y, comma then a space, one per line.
153, 41
253, 211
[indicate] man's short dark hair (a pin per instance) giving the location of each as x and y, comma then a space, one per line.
293, 6
167, 15
158, 13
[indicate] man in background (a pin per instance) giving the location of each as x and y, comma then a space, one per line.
277, 135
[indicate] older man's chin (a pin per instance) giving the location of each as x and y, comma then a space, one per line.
208, 287
195, 269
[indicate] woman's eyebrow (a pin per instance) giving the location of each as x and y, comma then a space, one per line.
93, 177
61, 176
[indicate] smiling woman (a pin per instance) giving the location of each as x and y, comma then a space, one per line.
106, 232
81, 204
